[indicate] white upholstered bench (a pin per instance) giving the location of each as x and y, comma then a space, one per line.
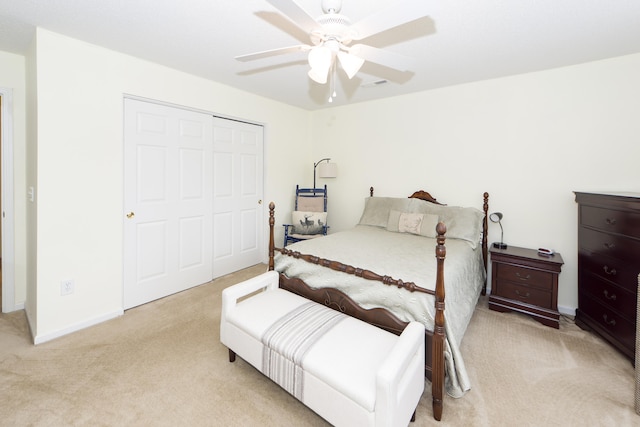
349, 372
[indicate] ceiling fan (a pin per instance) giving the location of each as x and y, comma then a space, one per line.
332, 33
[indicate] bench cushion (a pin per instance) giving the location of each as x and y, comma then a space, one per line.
346, 357
256, 314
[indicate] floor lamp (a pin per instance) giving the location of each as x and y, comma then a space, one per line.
326, 170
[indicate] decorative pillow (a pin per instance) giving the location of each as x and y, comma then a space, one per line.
308, 222
414, 223
410, 223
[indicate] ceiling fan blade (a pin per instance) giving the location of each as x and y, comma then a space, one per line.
273, 52
382, 57
296, 14
398, 13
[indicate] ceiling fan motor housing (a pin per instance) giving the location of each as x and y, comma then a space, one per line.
335, 26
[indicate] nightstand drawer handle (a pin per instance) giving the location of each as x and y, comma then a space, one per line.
610, 221
527, 277
527, 295
611, 322
609, 245
611, 297
611, 272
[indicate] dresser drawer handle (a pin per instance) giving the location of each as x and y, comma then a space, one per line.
610, 221
611, 322
610, 272
527, 295
527, 277
609, 245
611, 297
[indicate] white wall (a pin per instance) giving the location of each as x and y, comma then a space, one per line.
13, 77
80, 89
529, 140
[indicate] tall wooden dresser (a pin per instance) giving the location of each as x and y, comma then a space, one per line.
608, 266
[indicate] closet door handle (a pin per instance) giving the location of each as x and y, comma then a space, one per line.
130, 215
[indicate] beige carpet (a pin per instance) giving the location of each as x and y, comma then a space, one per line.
162, 364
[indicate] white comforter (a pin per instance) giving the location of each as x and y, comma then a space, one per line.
401, 256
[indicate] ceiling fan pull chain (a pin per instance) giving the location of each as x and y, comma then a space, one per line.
332, 82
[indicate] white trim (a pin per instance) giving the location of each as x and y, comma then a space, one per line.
39, 339
8, 247
568, 311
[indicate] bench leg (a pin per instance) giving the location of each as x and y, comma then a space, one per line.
232, 356
413, 417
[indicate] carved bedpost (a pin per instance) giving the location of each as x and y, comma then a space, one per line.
485, 230
272, 221
437, 374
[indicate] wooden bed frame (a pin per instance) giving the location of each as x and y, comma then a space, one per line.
434, 340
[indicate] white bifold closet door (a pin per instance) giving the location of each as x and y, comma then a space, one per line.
238, 210
193, 196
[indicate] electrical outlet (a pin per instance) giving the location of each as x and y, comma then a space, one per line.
67, 287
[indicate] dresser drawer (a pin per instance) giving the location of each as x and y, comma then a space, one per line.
525, 294
622, 273
606, 244
525, 276
618, 327
614, 297
609, 220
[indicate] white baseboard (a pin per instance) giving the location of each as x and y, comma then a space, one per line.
39, 339
568, 311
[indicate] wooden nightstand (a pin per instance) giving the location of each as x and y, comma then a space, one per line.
523, 281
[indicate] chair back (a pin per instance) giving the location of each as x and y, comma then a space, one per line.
311, 199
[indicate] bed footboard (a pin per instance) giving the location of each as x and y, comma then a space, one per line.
434, 340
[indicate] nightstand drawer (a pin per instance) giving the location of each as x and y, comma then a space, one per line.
525, 276
609, 220
525, 294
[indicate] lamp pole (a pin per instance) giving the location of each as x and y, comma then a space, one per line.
315, 165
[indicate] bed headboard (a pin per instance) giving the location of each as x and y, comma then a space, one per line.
423, 195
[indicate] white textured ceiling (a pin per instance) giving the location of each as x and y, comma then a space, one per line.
462, 41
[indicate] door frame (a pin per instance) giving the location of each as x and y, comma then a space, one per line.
7, 190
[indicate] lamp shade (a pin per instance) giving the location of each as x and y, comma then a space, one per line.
350, 63
328, 170
320, 59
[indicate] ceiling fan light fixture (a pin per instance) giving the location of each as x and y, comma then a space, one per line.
320, 58
351, 64
318, 76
